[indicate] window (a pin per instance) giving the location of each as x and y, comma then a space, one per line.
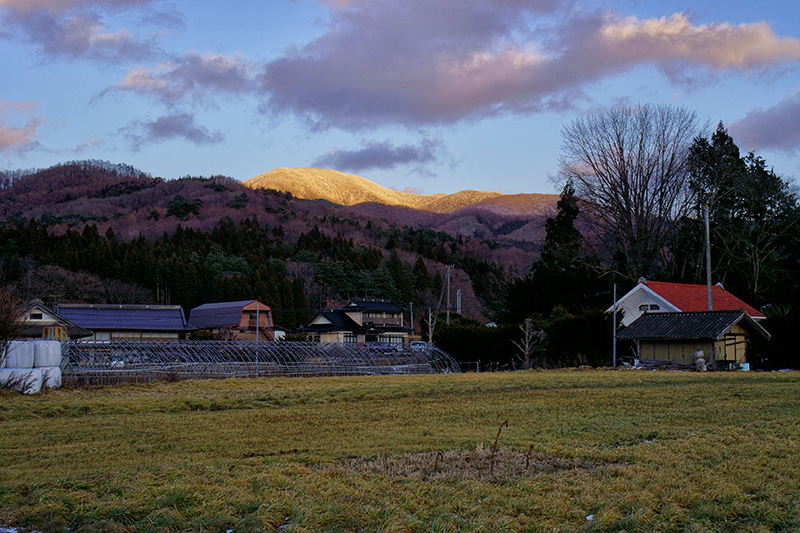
350, 338
649, 307
36, 316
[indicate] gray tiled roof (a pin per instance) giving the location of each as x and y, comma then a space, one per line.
688, 325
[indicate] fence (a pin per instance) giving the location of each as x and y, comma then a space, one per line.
105, 362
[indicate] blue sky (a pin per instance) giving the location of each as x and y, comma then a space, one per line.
424, 96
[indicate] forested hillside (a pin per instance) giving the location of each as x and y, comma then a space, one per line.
95, 232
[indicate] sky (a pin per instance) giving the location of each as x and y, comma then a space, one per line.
421, 96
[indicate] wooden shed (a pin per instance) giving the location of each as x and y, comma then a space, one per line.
722, 336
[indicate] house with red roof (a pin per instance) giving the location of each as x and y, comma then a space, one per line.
659, 296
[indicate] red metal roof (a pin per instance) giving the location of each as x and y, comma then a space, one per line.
688, 297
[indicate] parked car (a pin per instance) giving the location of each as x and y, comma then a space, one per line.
418, 346
382, 347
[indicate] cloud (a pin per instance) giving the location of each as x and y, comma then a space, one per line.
190, 75
74, 29
382, 155
57, 6
18, 124
89, 144
423, 62
776, 128
168, 127
716, 46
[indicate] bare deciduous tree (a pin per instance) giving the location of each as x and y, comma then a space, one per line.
629, 164
10, 324
530, 337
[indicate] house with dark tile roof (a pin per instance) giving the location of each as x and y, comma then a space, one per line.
362, 320
720, 337
128, 322
245, 320
40, 322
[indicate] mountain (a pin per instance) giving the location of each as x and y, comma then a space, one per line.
348, 190
335, 232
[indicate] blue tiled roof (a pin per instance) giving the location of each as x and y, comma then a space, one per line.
125, 317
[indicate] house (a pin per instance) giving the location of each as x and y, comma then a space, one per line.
658, 297
40, 322
361, 320
246, 320
677, 337
128, 322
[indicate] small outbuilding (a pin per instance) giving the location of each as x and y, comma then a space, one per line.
41, 322
678, 337
246, 320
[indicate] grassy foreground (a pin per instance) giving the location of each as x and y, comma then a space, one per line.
523, 451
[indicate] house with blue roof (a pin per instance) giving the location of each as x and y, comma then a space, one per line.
245, 320
128, 322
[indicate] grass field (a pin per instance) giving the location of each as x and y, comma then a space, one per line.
588, 450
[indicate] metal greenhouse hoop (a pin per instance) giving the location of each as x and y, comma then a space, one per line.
108, 362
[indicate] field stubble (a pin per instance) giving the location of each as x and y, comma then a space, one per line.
522, 451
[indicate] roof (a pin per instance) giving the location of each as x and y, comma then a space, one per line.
219, 314
374, 304
339, 321
689, 325
688, 297
125, 317
73, 330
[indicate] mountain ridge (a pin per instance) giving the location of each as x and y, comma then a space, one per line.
349, 189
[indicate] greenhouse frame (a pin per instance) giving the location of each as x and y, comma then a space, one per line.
108, 362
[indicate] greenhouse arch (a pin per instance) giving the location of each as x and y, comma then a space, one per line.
105, 362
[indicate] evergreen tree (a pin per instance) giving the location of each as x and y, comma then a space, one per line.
421, 278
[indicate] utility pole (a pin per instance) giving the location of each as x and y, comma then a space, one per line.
258, 331
431, 325
458, 301
614, 331
411, 310
708, 260
448, 293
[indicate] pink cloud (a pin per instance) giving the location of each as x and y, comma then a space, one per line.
74, 29
18, 124
422, 62
28, 6
716, 45
192, 74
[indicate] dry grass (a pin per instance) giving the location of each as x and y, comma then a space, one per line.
478, 464
633, 451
